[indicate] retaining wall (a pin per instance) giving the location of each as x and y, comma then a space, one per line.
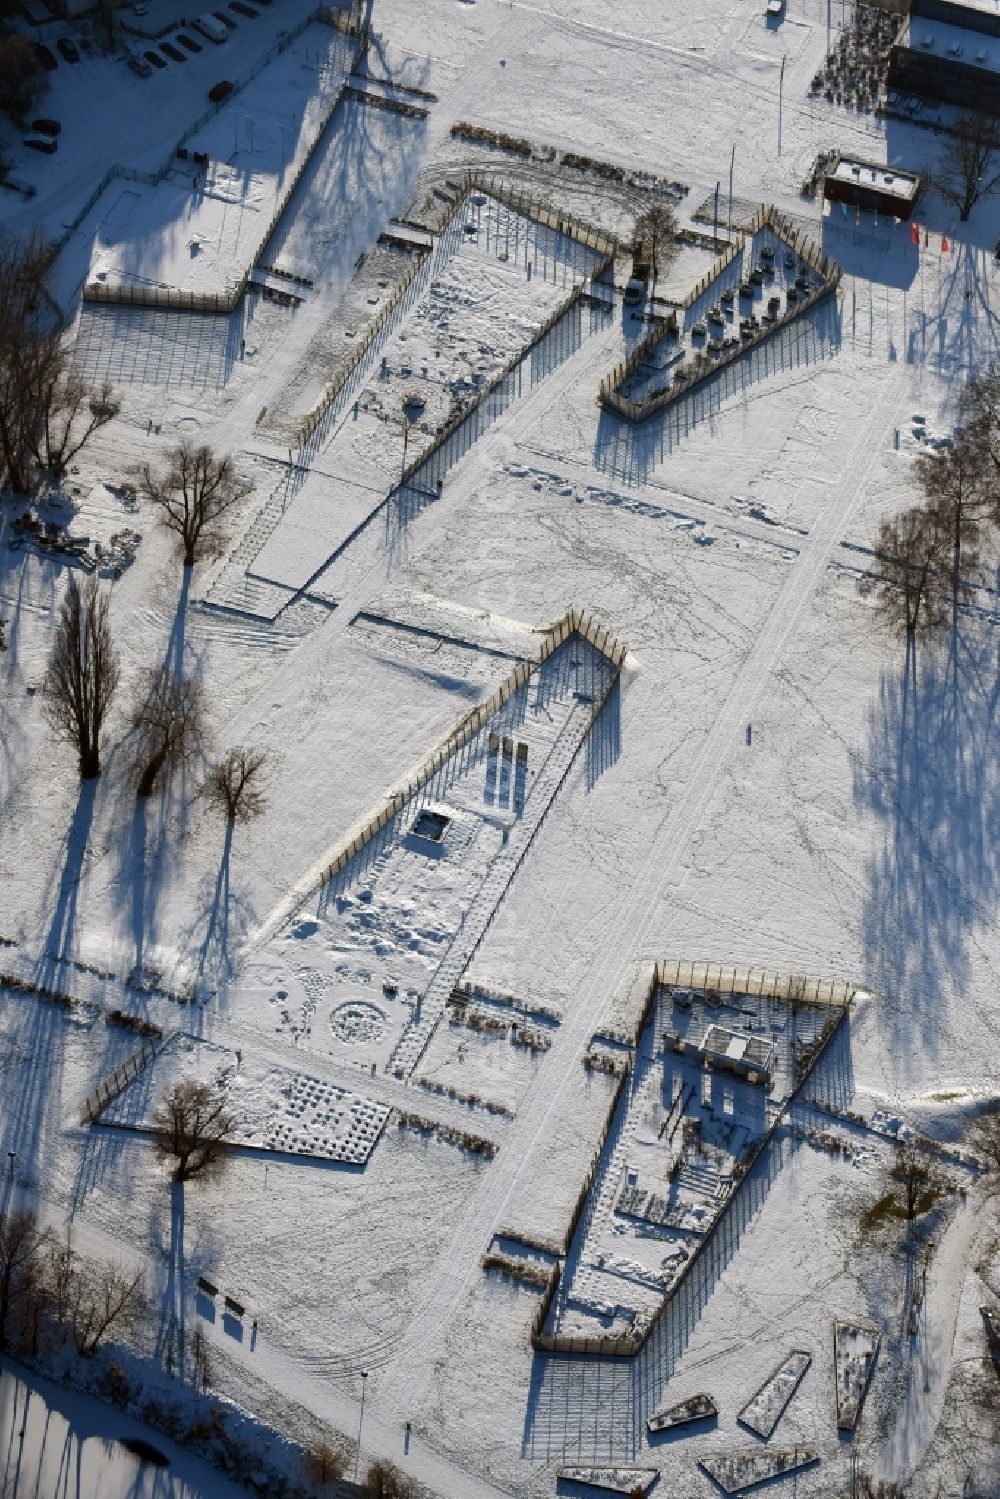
575, 622
725, 980
609, 393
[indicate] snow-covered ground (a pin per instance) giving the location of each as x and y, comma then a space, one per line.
751, 791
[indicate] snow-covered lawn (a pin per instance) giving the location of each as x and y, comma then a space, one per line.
202, 226
750, 793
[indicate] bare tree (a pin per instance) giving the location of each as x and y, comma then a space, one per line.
952, 480
984, 1137
383, 1481
324, 1463
166, 726
232, 785
103, 1296
22, 77
915, 1175
106, 20
82, 673
69, 412
193, 495
29, 351
47, 412
59, 1275
193, 1125
981, 431
907, 587
658, 230
968, 169
21, 1246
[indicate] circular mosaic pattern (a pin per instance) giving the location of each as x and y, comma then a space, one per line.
357, 1022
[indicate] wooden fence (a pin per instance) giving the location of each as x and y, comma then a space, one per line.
112, 1086
574, 622
175, 298
552, 1342
520, 203
755, 982
725, 980
767, 216
533, 208
374, 330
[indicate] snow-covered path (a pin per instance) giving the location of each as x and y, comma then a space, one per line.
931, 1351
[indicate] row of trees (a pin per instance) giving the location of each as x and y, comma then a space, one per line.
44, 1283
165, 727
165, 724
930, 554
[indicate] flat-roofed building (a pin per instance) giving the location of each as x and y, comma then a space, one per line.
866, 184
949, 53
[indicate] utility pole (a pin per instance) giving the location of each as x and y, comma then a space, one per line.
732, 163
357, 1454
781, 87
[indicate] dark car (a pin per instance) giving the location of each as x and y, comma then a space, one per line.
188, 42
174, 53
244, 10
220, 91
43, 143
220, 15
155, 59
46, 127
66, 49
44, 56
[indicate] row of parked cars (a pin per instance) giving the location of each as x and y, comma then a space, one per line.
214, 26
67, 49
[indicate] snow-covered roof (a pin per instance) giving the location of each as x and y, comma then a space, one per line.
883, 179
737, 1046
973, 49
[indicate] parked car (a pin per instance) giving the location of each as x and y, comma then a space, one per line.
43, 143
634, 292
244, 10
66, 49
44, 56
188, 42
155, 59
211, 27
138, 65
46, 127
174, 53
220, 91
226, 19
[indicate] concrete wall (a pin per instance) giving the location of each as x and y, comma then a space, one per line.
954, 14
867, 197
943, 80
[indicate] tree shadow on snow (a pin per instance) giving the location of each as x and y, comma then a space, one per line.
25, 1128
928, 774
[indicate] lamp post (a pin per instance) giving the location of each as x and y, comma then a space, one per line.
357, 1454
781, 86
732, 163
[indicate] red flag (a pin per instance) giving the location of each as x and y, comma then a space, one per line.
945, 247
915, 233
